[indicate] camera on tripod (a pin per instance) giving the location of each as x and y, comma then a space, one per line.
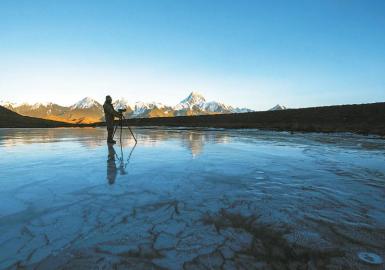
120, 124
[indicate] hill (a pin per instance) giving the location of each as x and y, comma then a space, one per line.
10, 119
84, 111
362, 118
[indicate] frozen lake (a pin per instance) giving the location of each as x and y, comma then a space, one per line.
193, 199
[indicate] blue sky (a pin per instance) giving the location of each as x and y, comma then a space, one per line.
246, 53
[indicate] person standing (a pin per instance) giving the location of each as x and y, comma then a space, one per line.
109, 115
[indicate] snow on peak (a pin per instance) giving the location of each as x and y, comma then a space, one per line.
85, 103
34, 106
242, 110
7, 104
121, 103
214, 106
278, 107
194, 99
141, 107
37, 105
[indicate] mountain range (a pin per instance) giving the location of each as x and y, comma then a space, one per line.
89, 110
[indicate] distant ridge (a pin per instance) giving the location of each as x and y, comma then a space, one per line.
362, 118
358, 118
88, 110
10, 119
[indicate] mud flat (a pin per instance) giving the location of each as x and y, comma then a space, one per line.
362, 119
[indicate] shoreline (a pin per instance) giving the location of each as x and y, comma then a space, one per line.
363, 119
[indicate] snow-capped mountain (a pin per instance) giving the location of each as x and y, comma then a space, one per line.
214, 106
7, 104
196, 104
89, 110
138, 109
38, 105
242, 110
193, 100
86, 110
141, 108
85, 103
121, 103
278, 107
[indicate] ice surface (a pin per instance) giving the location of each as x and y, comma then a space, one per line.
192, 198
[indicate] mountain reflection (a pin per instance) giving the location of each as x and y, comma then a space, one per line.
87, 137
194, 142
192, 139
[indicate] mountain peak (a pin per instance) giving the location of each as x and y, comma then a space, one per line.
121, 103
40, 104
85, 103
194, 98
7, 104
195, 93
278, 107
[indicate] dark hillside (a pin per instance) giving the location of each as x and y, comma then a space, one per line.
362, 118
10, 119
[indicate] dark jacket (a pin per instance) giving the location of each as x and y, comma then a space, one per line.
109, 114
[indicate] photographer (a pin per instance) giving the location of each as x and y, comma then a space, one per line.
110, 114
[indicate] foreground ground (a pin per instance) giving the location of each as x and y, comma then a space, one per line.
190, 199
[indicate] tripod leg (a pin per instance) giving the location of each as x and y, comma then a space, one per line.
121, 130
136, 141
132, 134
116, 127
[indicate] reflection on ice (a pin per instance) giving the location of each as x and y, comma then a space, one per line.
111, 165
94, 137
197, 198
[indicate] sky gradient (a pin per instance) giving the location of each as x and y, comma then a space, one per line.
251, 54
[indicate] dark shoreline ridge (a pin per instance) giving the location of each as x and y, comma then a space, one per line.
10, 119
362, 119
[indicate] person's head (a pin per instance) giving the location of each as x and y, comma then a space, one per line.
108, 99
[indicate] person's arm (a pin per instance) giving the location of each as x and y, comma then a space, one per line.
112, 111
117, 114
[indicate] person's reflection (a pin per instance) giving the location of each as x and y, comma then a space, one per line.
112, 170
111, 166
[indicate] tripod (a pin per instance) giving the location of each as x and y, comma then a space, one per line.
120, 123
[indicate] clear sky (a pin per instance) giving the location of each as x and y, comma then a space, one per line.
246, 53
